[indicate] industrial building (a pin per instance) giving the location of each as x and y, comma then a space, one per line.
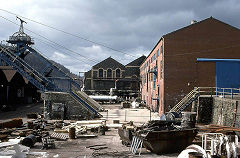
109, 73
175, 65
25, 73
15, 89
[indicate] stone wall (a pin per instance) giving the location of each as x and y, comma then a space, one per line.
224, 111
219, 111
72, 108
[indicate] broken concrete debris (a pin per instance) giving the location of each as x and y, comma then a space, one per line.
45, 132
83, 127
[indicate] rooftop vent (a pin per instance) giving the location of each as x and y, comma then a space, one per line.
193, 21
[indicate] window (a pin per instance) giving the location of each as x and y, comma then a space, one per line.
146, 78
161, 71
152, 75
161, 50
109, 73
100, 73
118, 73
154, 78
157, 52
154, 57
147, 100
149, 77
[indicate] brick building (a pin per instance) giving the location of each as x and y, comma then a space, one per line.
111, 74
171, 70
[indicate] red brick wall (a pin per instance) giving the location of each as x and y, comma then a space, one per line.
207, 39
147, 88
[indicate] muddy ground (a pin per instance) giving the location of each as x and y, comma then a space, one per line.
78, 147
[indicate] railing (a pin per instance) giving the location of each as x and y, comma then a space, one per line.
61, 84
74, 93
55, 66
185, 101
23, 68
70, 86
217, 91
209, 91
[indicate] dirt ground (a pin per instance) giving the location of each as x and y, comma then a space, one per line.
77, 148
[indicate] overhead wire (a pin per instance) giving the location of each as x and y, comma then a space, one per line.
180, 54
71, 34
51, 41
52, 46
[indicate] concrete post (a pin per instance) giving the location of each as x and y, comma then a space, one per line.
125, 115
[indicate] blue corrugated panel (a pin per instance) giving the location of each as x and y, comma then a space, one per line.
228, 74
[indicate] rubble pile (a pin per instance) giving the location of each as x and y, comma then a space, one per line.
17, 138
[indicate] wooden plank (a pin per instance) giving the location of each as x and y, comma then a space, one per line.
95, 145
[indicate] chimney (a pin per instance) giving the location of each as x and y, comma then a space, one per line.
193, 21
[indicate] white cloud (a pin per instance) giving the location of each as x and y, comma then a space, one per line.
58, 56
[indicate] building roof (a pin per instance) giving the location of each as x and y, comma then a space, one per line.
196, 23
132, 71
137, 62
191, 25
109, 63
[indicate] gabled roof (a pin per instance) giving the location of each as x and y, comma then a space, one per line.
211, 19
197, 23
137, 62
109, 63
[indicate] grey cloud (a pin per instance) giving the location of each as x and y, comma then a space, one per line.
131, 26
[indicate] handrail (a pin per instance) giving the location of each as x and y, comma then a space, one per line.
54, 65
23, 63
22, 72
218, 91
184, 99
197, 91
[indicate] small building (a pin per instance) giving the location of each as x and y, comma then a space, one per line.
15, 89
111, 74
171, 70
